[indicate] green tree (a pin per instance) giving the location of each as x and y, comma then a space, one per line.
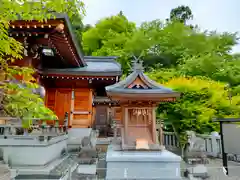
181, 13
198, 62
109, 37
16, 100
76, 16
201, 100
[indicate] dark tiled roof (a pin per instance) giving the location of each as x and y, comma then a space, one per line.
96, 66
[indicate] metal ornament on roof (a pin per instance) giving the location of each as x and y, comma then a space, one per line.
137, 64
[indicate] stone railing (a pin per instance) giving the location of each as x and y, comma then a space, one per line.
37, 133
212, 142
9, 129
49, 142
12, 127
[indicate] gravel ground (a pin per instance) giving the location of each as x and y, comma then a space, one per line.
216, 172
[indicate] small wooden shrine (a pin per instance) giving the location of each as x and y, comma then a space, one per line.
138, 97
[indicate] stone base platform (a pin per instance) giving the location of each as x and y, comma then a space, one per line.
57, 169
147, 165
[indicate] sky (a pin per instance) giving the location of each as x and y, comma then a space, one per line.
220, 15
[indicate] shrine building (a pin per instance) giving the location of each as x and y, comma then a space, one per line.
72, 82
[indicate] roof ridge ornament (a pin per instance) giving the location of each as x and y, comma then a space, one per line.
137, 64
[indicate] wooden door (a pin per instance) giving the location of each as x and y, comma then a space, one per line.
82, 114
101, 121
62, 103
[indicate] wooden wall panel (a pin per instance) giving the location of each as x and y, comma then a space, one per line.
59, 101
62, 103
81, 99
50, 101
80, 120
50, 98
117, 113
82, 115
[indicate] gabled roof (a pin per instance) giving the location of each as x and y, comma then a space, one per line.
138, 83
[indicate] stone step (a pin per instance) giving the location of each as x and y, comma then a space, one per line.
1, 162
64, 166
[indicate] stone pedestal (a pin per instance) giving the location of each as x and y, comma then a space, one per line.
148, 165
25, 151
75, 136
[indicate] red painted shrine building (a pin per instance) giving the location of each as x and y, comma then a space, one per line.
74, 83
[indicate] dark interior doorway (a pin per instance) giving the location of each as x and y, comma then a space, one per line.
101, 122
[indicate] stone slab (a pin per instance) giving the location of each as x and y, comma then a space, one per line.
87, 169
75, 135
147, 165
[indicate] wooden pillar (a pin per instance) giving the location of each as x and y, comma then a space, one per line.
72, 108
94, 116
126, 124
154, 125
90, 108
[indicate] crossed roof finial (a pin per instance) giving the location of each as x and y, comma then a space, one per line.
137, 64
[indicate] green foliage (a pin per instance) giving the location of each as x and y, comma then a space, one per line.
201, 101
194, 62
15, 100
109, 38
181, 13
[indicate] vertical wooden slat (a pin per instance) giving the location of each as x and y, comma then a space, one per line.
90, 100
154, 125
125, 115
71, 108
93, 116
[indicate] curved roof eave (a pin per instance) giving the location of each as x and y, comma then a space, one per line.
143, 91
77, 46
129, 79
